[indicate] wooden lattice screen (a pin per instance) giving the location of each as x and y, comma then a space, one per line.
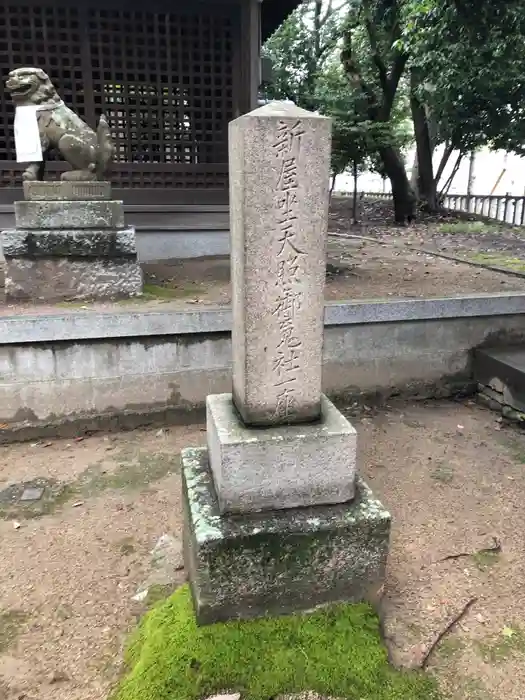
164, 79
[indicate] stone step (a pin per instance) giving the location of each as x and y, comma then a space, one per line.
500, 374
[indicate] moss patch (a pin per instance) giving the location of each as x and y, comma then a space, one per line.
126, 470
485, 559
510, 642
336, 651
135, 470
54, 496
155, 291
10, 623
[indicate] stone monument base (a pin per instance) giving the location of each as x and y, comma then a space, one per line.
54, 265
288, 466
281, 561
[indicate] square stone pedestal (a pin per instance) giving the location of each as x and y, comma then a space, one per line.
279, 467
281, 561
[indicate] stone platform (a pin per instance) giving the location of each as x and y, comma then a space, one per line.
282, 466
280, 561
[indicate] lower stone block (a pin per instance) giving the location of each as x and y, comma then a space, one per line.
278, 562
55, 279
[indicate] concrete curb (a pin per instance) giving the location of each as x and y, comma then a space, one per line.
92, 325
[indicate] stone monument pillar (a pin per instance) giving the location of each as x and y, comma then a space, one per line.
276, 518
70, 242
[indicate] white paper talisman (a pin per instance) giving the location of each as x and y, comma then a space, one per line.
27, 137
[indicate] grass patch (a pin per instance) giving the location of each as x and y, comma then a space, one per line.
510, 642
10, 623
498, 260
336, 651
468, 227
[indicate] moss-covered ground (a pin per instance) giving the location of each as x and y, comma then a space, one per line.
335, 651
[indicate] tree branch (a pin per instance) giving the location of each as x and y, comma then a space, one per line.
444, 160
354, 74
398, 65
327, 14
376, 51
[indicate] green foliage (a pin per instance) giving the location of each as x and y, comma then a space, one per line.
307, 70
300, 49
470, 57
336, 652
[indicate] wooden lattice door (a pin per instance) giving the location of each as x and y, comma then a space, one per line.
165, 80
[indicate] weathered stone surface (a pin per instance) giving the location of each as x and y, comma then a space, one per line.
69, 215
90, 243
66, 191
279, 561
258, 469
279, 160
53, 279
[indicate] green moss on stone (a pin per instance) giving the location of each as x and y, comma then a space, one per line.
335, 651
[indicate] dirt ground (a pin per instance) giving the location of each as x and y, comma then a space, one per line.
385, 267
452, 475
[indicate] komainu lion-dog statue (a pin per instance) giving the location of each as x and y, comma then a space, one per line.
88, 152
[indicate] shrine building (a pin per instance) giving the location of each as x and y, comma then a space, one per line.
169, 75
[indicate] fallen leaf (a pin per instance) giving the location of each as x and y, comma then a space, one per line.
507, 632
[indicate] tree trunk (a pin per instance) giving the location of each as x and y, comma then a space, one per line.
425, 180
471, 166
403, 194
470, 181
354, 212
414, 177
332, 184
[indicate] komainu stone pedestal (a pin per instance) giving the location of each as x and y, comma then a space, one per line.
281, 561
70, 248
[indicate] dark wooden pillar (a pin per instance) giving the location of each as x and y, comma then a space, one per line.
249, 54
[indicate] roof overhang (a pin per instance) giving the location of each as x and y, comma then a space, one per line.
273, 14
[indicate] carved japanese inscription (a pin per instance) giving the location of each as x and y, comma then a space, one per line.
289, 297
279, 172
